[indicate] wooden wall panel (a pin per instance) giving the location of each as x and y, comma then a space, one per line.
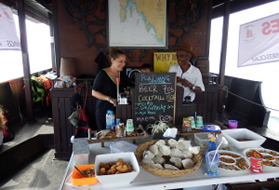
73, 42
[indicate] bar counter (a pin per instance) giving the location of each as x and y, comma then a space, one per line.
205, 105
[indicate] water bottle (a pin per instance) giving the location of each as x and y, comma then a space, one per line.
110, 120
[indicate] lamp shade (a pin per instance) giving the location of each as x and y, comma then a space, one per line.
68, 67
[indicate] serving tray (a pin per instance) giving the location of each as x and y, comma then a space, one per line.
270, 160
232, 161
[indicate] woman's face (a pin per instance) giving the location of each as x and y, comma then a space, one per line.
119, 63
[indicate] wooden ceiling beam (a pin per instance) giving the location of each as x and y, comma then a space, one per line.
218, 6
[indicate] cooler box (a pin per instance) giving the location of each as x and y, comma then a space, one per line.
202, 139
122, 146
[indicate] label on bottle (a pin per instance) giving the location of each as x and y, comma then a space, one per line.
129, 126
211, 146
118, 121
108, 120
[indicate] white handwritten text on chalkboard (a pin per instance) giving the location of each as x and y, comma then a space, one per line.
155, 97
145, 79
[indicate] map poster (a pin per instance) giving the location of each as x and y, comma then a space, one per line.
137, 23
163, 60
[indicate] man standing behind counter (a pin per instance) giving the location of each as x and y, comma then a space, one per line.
188, 76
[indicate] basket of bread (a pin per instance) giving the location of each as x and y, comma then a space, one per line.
169, 158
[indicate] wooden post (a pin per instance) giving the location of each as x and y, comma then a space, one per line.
223, 53
56, 35
25, 60
51, 31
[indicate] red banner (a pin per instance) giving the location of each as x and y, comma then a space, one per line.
258, 41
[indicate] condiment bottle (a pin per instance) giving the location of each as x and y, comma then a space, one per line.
211, 144
129, 127
118, 121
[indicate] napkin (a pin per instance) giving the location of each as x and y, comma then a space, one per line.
170, 133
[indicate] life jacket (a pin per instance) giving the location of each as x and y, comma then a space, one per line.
38, 89
47, 85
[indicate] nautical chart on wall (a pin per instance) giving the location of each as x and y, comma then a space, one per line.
137, 23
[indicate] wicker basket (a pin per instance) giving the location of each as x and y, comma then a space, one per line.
197, 159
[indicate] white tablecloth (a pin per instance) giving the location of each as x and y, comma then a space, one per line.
148, 181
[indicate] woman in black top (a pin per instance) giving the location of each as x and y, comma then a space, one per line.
105, 86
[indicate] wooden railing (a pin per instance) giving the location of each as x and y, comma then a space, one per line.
246, 101
61, 110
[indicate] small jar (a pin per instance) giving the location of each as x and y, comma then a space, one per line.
120, 130
186, 125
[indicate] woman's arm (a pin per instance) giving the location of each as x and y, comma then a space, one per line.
104, 97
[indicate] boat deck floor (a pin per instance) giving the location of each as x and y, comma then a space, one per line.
41, 172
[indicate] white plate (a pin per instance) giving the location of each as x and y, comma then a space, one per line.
234, 156
266, 152
68, 180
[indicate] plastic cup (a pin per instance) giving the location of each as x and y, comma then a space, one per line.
233, 124
123, 98
199, 122
212, 165
193, 123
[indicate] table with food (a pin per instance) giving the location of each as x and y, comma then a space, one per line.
201, 159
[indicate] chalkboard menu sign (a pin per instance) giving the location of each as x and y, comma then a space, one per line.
155, 95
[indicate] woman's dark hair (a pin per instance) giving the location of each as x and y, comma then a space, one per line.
115, 52
2, 116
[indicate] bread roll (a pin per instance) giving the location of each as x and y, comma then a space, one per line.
176, 152
176, 161
160, 142
183, 144
158, 160
186, 154
148, 155
154, 149
165, 150
187, 163
172, 143
171, 167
